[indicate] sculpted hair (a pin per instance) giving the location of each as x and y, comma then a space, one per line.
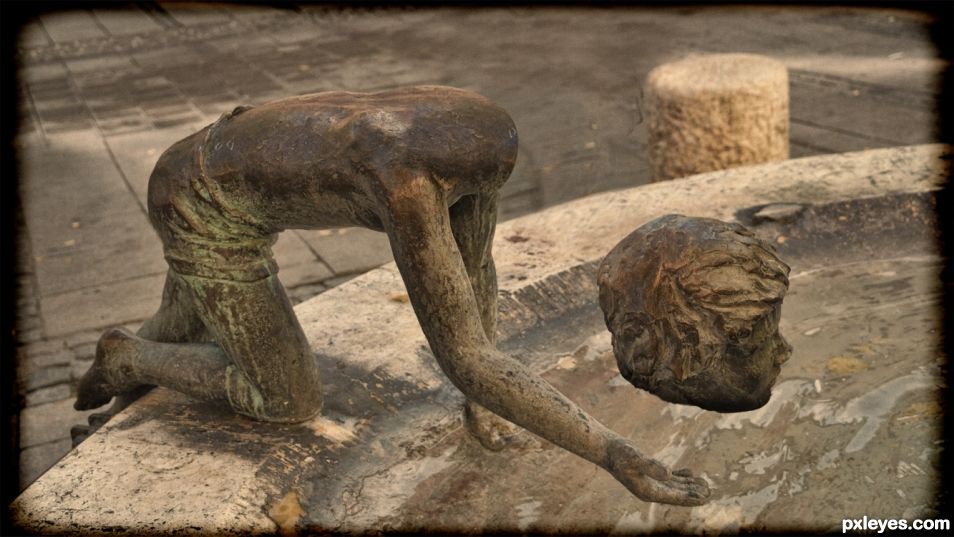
677, 291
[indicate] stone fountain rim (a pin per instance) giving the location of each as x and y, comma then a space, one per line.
543, 272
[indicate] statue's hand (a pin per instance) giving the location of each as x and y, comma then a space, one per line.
492, 431
651, 481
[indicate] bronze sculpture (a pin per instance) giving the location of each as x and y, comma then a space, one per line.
422, 164
693, 305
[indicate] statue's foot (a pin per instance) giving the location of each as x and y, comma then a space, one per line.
109, 375
492, 431
79, 433
650, 481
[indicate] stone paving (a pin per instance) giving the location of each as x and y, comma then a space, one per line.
104, 92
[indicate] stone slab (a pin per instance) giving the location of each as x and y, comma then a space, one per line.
49, 422
291, 249
33, 35
120, 22
251, 11
893, 124
47, 158
389, 453
349, 250
66, 26
36, 460
808, 140
48, 376
48, 353
72, 230
95, 250
51, 394
303, 292
82, 66
908, 72
195, 14
137, 152
37, 74
165, 57
97, 308
307, 273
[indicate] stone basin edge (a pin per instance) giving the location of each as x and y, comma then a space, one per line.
130, 475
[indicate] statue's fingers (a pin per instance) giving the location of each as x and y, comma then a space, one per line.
700, 486
676, 493
652, 468
687, 482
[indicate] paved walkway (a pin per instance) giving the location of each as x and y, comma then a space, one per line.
104, 92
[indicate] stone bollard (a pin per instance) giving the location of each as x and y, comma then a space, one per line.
717, 111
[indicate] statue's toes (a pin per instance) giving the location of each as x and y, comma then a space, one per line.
98, 419
88, 398
79, 433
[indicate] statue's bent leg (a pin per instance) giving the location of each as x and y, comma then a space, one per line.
418, 225
125, 361
176, 321
273, 374
261, 363
473, 221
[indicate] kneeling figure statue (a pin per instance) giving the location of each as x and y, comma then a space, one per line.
422, 164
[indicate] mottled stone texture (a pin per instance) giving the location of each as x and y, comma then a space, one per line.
717, 111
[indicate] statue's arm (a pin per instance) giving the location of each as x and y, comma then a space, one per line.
473, 221
418, 224
419, 228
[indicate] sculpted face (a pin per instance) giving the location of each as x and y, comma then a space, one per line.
694, 305
747, 371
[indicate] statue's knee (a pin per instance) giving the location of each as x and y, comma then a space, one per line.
244, 397
289, 406
299, 406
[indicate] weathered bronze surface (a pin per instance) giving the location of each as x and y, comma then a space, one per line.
693, 305
422, 164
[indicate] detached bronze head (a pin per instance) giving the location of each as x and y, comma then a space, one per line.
693, 305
